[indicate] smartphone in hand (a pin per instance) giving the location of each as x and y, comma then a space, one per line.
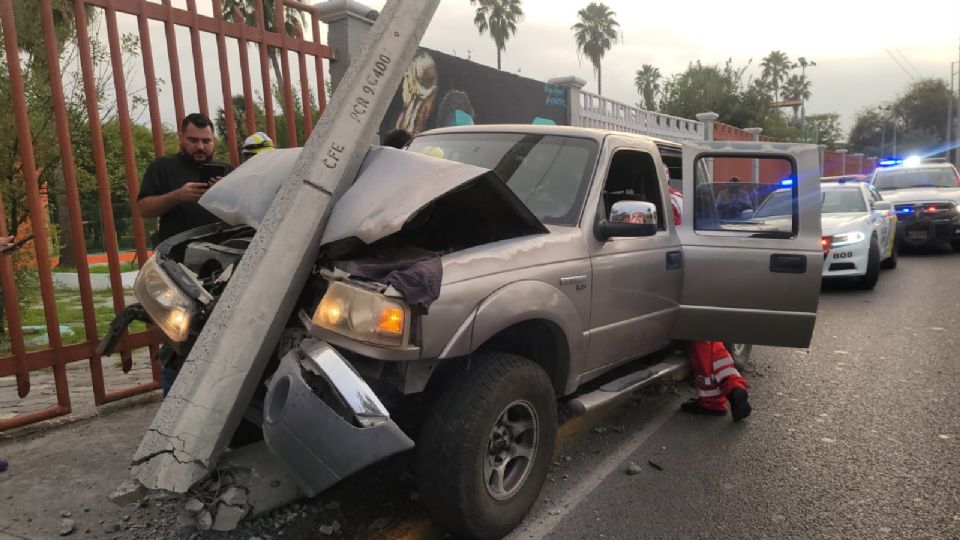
209, 171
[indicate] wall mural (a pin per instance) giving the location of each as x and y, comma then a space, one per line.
441, 90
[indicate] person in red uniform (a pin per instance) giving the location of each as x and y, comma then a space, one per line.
717, 380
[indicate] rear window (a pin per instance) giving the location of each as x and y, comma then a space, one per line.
914, 178
839, 201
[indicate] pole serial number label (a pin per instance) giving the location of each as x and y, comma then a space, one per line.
361, 104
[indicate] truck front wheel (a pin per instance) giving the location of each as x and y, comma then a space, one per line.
486, 445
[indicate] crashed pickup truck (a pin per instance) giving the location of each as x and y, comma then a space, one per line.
470, 284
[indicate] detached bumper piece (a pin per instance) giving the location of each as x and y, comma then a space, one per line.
322, 421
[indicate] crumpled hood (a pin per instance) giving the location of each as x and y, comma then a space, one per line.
392, 188
921, 195
840, 223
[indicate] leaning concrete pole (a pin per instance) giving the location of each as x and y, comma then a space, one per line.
218, 379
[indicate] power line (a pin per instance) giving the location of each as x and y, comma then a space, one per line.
909, 63
912, 78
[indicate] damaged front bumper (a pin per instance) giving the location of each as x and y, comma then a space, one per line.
322, 421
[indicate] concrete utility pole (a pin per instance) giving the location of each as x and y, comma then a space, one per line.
215, 385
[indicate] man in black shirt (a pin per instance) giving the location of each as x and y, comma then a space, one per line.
170, 190
173, 184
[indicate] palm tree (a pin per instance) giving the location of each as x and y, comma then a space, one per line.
775, 67
500, 17
648, 84
292, 24
796, 87
596, 33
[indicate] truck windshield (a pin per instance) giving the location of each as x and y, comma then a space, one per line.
915, 178
548, 173
839, 201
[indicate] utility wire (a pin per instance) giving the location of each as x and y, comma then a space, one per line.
909, 63
912, 78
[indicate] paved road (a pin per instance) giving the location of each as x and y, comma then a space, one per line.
859, 437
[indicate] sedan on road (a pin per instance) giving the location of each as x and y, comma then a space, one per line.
859, 232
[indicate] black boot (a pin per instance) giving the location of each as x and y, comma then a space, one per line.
739, 404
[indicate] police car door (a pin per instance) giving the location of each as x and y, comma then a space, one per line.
752, 258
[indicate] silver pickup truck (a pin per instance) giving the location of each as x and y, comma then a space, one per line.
470, 284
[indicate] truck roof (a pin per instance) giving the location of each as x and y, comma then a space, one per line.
565, 131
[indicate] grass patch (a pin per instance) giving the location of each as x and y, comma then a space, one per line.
101, 268
69, 313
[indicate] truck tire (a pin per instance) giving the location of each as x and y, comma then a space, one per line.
740, 352
486, 445
869, 280
955, 244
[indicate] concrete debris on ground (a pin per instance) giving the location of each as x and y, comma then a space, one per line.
633, 469
329, 530
67, 526
128, 492
204, 521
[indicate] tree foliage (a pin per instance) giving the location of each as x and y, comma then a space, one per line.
776, 66
827, 129
647, 82
595, 34
500, 18
917, 118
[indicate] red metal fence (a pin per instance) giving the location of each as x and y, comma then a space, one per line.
18, 361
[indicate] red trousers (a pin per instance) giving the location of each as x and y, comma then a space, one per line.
714, 374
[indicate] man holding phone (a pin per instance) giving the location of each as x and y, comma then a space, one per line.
172, 185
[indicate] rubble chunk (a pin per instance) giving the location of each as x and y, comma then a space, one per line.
67, 526
128, 492
204, 521
228, 517
234, 496
633, 469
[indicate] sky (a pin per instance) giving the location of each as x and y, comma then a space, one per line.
852, 42
847, 39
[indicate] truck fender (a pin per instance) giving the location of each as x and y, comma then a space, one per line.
512, 304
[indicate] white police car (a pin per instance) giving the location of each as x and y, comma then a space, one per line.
859, 232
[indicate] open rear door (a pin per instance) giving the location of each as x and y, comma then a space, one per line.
750, 231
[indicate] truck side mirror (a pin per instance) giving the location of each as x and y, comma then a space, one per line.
628, 219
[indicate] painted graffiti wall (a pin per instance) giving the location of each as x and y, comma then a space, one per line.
441, 90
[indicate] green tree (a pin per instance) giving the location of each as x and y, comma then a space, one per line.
292, 25
595, 34
647, 81
775, 67
827, 127
500, 18
796, 87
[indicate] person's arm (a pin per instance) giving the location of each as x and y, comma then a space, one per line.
157, 205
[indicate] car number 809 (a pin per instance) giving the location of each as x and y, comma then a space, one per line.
843, 255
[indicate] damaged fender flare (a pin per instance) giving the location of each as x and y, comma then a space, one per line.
519, 302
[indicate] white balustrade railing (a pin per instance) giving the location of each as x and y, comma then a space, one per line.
596, 111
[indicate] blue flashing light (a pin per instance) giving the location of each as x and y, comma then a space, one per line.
906, 210
787, 183
889, 162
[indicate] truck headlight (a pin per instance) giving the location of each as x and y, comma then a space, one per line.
363, 315
168, 306
847, 239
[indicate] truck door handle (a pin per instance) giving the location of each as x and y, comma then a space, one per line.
788, 264
674, 260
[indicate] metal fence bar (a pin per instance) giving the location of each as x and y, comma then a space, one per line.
265, 72
280, 26
156, 123
198, 61
321, 89
249, 109
129, 160
103, 182
68, 166
225, 85
37, 221
173, 58
305, 95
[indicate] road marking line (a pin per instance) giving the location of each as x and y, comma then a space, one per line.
543, 525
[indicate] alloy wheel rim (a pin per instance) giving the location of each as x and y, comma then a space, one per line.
511, 450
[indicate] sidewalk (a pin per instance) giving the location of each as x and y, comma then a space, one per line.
43, 391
